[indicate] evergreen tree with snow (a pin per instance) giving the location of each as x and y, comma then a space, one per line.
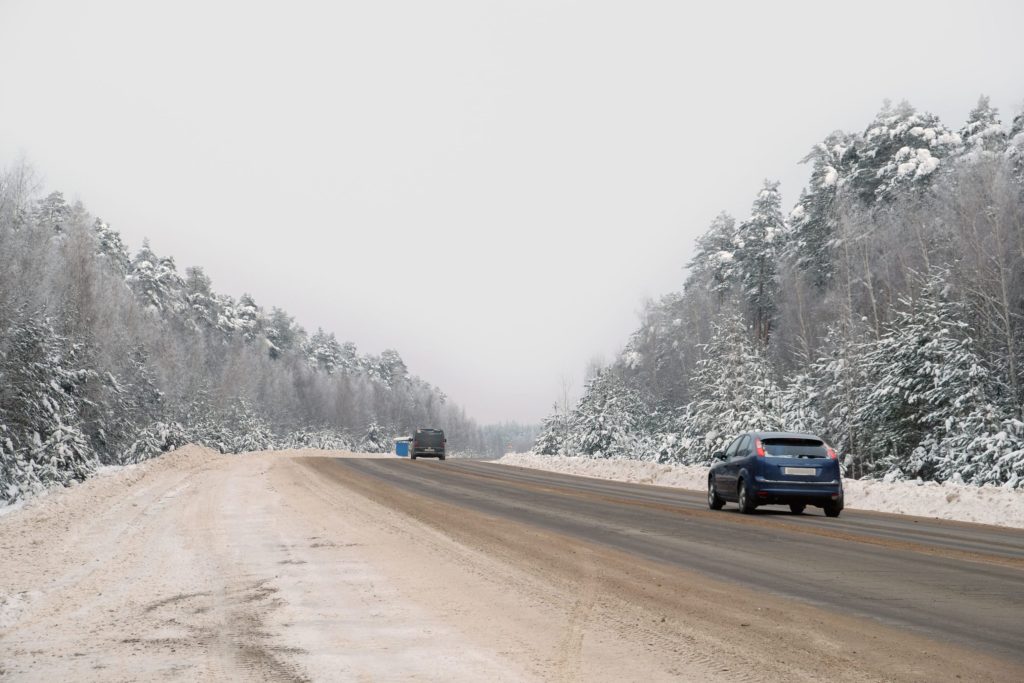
41, 401
714, 263
801, 405
122, 404
608, 420
249, 318
282, 333
814, 220
200, 300
928, 379
111, 246
1015, 145
391, 368
348, 359
377, 440
838, 381
759, 241
53, 213
983, 134
900, 148
734, 390
156, 282
323, 351
553, 432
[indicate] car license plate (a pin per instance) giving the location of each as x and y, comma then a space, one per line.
429, 450
800, 471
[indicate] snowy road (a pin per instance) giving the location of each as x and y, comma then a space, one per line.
281, 566
948, 581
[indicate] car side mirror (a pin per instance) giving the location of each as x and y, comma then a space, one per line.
718, 455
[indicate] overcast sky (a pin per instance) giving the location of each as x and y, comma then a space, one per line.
492, 188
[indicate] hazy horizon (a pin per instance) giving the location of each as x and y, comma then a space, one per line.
548, 165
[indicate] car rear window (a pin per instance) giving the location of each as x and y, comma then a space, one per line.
429, 437
794, 448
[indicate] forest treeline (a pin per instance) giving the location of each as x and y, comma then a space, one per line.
882, 312
111, 358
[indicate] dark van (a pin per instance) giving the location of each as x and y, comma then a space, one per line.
428, 443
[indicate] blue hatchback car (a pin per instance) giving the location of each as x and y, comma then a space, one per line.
776, 468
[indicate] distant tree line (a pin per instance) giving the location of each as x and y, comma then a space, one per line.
111, 358
883, 312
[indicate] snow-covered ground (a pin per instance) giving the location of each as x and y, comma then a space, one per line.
983, 505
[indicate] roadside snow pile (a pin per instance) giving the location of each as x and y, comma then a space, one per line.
633, 471
961, 502
54, 499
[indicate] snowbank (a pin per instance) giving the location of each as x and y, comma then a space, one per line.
980, 504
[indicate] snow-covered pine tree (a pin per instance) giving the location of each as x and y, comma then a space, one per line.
733, 390
551, 439
249, 318
227, 314
250, 430
759, 242
928, 379
983, 135
839, 382
814, 220
239, 428
899, 148
376, 439
714, 263
1015, 145
111, 246
122, 405
801, 404
348, 360
156, 281
154, 439
609, 419
40, 409
655, 355
983, 446
282, 333
323, 351
200, 301
391, 368
52, 212
323, 439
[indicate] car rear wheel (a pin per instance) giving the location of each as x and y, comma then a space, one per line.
797, 508
743, 498
440, 457
832, 510
715, 501
413, 457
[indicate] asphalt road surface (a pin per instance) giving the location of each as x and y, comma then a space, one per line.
314, 565
949, 582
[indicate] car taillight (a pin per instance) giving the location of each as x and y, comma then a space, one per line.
759, 447
831, 453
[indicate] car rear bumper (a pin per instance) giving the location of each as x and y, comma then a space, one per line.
427, 454
770, 492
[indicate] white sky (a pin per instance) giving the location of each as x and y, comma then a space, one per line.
492, 188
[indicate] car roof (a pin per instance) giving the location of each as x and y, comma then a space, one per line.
786, 435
